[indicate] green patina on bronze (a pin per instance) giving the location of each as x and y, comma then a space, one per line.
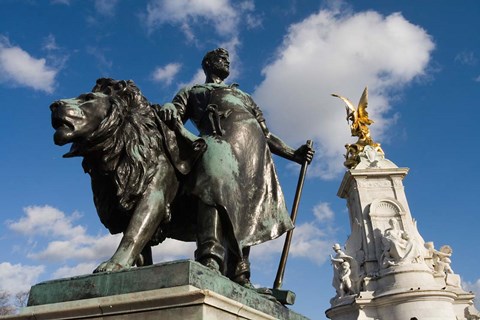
153, 179
160, 276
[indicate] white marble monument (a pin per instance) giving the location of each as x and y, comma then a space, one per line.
387, 271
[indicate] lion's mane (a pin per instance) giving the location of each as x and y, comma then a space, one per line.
122, 155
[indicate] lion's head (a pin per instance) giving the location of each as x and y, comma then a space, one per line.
114, 129
75, 119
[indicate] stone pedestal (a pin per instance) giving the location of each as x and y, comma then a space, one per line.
387, 271
175, 290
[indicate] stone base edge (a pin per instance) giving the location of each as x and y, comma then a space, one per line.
184, 302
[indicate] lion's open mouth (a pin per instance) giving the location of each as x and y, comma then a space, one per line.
58, 123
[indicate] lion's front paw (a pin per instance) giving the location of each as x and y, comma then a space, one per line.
109, 266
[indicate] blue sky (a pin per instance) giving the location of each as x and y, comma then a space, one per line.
420, 60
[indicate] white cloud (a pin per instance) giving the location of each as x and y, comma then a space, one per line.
80, 269
330, 52
47, 221
323, 212
85, 248
169, 250
167, 73
173, 250
106, 7
267, 250
18, 277
66, 241
311, 240
198, 77
187, 13
70, 243
247, 5
19, 68
253, 21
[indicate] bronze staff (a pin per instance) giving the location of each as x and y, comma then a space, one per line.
286, 247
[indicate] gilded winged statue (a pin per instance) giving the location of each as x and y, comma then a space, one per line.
359, 122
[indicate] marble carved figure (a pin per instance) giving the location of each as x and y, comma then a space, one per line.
441, 259
398, 246
346, 275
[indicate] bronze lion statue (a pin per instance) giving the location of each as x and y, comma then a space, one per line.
134, 163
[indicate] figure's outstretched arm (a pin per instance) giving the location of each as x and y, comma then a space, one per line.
280, 148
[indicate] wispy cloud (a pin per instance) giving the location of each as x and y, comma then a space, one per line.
337, 52
466, 58
106, 7
187, 13
19, 68
252, 19
57, 55
166, 73
323, 212
50, 43
170, 250
98, 53
311, 241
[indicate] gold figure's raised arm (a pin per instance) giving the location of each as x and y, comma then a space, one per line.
351, 111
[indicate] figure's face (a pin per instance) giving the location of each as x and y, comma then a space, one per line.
220, 65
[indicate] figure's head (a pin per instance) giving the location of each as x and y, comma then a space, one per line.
216, 62
393, 223
336, 247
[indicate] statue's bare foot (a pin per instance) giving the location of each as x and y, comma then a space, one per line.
110, 265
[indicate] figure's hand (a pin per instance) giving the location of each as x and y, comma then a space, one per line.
304, 153
168, 113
